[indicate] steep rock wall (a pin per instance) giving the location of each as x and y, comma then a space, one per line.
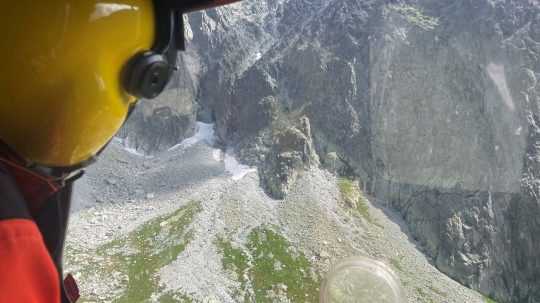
433, 104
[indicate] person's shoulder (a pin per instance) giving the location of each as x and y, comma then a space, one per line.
12, 203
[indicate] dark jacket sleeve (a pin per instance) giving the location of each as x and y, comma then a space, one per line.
28, 273
52, 221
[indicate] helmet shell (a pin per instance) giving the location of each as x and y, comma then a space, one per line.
61, 98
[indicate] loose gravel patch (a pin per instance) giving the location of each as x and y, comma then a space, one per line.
125, 193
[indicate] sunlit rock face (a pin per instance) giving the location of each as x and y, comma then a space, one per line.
433, 104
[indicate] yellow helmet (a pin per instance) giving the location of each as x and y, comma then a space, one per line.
73, 68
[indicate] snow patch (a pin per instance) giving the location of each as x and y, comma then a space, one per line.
217, 155
205, 133
232, 166
125, 146
133, 151
235, 168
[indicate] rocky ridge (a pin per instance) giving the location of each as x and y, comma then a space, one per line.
433, 105
187, 202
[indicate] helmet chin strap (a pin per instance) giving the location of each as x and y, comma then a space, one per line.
35, 186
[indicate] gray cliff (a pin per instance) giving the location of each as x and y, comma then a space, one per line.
433, 105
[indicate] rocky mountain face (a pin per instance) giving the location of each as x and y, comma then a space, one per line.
432, 104
192, 225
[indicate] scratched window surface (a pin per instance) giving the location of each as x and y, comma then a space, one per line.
297, 133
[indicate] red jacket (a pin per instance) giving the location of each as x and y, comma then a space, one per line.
33, 219
28, 272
